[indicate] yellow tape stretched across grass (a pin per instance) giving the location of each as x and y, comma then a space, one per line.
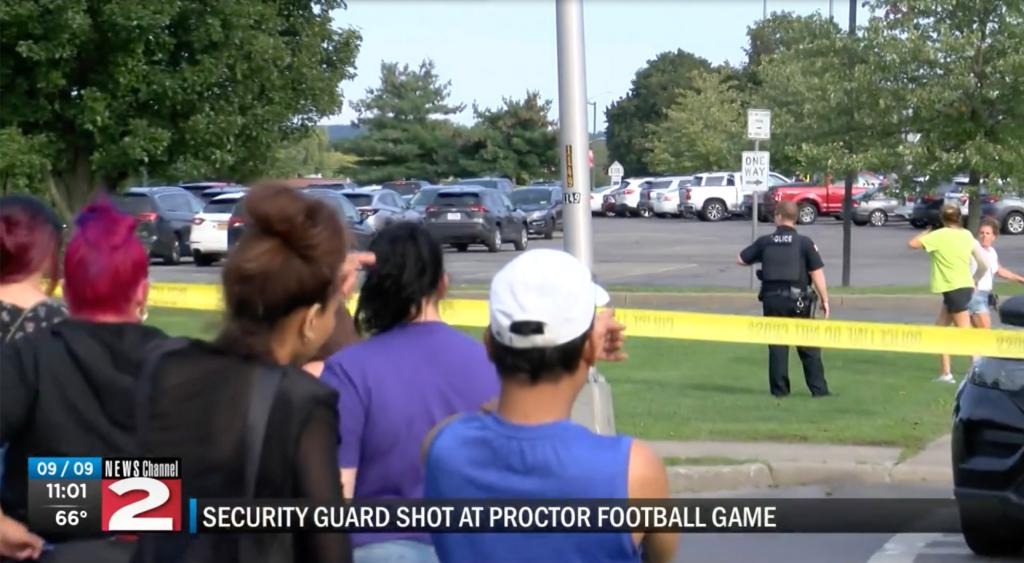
678, 325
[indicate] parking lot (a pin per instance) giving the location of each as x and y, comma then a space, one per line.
689, 253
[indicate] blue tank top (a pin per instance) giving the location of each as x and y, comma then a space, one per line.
482, 456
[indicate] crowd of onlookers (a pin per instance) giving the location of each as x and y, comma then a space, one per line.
295, 398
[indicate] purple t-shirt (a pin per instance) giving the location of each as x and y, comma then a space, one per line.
393, 388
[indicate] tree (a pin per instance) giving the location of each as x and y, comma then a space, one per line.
310, 156
653, 91
184, 88
703, 130
407, 135
517, 141
961, 63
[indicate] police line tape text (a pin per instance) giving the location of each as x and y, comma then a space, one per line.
334, 518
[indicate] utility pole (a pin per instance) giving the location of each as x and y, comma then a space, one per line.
593, 407
593, 137
850, 174
764, 14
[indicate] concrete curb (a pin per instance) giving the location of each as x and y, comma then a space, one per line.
700, 479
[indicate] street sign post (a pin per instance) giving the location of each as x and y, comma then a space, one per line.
759, 128
615, 172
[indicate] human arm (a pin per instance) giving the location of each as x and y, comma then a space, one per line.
609, 337
317, 481
17, 542
354, 263
648, 480
917, 243
751, 254
1006, 274
352, 405
816, 269
818, 281
982, 263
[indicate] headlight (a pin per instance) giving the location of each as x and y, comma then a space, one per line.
1006, 375
537, 215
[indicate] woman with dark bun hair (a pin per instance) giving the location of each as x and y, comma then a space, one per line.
30, 241
69, 388
239, 412
412, 372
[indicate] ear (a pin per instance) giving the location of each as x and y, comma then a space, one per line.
590, 349
141, 294
309, 320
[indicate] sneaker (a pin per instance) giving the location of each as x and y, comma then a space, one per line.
947, 378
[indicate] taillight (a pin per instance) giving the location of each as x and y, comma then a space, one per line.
911, 198
197, 221
777, 196
432, 208
478, 208
629, 191
147, 217
235, 221
686, 194
992, 199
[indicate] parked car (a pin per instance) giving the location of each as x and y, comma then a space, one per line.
360, 232
666, 194
718, 195
814, 198
597, 196
627, 197
876, 207
419, 202
208, 195
988, 449
345, 186
380, 208
208, 239
405, 188
198, 188
610, 201
465, 215
503, 185
164, 214
543, 208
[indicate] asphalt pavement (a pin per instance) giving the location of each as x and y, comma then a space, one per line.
830, 548
689, 253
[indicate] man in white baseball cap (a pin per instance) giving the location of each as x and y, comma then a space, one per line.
544, 336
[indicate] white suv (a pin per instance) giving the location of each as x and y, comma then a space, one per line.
665, 194
627, 198
209, 238
717, 195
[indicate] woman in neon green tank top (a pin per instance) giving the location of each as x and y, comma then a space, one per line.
950, 250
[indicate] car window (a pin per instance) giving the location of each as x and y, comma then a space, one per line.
730, 180
424, 198
360, 200
404, 188
532, 196
481, 183
457, 199
174, 203
134, 203
222, 206
506, 202
714, 180
660, 184
775, 181
351, 213
196, 203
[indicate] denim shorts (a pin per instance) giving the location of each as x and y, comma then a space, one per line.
979, 303
395, 551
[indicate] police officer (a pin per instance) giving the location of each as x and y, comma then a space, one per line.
789, 264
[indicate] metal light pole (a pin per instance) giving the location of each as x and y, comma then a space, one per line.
765, 10
593, 407
850, 175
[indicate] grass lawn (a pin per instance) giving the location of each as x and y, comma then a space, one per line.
680, 390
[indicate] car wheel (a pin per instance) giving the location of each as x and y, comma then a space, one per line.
461, 247
494, 245
174, 257
520, 243
646, 212
1014, 223
878, 218
807, 214
203, 259
550, 232
918, 224
988, 534
713, 211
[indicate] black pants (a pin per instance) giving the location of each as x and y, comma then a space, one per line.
778, 356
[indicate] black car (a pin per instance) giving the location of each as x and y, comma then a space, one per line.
467, 215
988, 449
543, 208
208, 194
424, 198
165, 217
360, 231
379, 207
928, 204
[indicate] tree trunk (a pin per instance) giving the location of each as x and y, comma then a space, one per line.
974, 202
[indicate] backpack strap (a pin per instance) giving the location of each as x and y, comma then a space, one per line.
268, 380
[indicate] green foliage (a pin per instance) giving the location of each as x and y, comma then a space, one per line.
703, 130
310, 156
181, 88
407, 135
517, 141
653, 91
22, 164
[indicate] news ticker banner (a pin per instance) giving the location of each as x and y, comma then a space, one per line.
714, 327
86, 496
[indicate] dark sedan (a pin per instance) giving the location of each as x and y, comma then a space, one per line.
466, 215
361, 233
988, 450
543, 208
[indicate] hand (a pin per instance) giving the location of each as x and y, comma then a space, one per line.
609, 337
825, 310
17, 542
354, 262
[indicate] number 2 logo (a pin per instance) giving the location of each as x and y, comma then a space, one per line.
128, 517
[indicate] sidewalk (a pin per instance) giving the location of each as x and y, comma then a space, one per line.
767, 464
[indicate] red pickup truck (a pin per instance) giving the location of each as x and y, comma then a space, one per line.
814, 198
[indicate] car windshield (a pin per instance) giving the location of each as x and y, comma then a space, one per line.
531, 197
222, 206
481, 183
457, 199
134, 203
360, 200
423, 198
660, 184
403, 188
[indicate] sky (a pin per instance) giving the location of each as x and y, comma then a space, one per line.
491, 49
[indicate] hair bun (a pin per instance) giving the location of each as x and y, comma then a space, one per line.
285, 214
117, 228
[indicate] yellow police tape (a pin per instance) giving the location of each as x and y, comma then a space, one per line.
851, 335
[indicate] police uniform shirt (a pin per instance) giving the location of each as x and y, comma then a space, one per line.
809, 258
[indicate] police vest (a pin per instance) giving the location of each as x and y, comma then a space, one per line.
781, 260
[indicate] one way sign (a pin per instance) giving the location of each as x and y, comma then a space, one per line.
755, 170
